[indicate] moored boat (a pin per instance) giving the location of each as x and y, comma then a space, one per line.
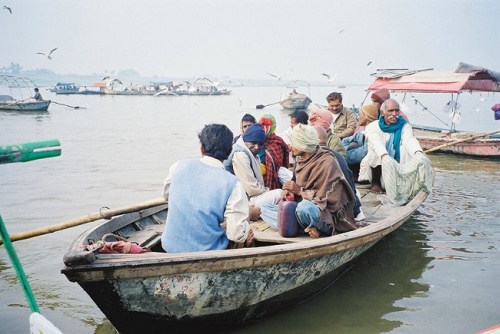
204, 86
65, 88
466, 78
154, 292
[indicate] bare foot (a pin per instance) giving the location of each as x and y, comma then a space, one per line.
312, 231
376, 189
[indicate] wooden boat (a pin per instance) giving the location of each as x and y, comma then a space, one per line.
294, 100
216, 291
8, 103
13, 90
440, 140
466, 78
65, 88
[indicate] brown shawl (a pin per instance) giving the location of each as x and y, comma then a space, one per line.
323, 183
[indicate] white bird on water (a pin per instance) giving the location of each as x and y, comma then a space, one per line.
48, 55
330, 77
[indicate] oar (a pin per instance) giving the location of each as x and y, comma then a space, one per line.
460, 141
262, 106
67, 105
101, 214
38, 323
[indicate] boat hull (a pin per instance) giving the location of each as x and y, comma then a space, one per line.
214, 301
479, 147
25, 106
297, 101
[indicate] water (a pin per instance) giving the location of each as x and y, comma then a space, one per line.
438, 273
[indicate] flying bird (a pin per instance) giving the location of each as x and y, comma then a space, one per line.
8, 8
370, 62
49, 55
330, 77
277, 77
341, 31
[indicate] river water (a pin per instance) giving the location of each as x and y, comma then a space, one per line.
439, 273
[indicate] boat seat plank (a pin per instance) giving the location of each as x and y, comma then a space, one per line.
146, 237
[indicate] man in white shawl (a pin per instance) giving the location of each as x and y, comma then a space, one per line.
395, 161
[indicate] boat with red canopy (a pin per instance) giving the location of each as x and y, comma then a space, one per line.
466, 78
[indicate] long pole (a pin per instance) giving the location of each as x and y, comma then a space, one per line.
102, 214
460, 141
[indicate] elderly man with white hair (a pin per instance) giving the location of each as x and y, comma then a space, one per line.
325, 198
395, 161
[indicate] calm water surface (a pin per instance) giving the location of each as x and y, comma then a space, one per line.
439, 273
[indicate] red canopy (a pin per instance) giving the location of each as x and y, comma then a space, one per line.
474, 79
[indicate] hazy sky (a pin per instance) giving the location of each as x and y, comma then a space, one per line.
246, 38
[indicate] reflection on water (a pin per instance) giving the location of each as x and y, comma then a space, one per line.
361, 298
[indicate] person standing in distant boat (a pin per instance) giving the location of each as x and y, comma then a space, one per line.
38, 96
203, 197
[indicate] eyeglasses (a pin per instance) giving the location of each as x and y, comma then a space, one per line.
393, 110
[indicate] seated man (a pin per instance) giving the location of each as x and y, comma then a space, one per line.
246, 121
344, 120
325, 198
196, 225
298, 116
275, 154
244, 163
356, 146
322, 135
392, 146
324, 119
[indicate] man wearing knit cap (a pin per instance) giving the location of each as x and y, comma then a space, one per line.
244, 163
324, 118
325, 198
344, 120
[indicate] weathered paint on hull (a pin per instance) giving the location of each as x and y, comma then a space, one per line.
486, 148
215, 301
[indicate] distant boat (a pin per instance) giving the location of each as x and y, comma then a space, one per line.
294, 100
204, 86
65, 88
466, 78
18, 87
8, 103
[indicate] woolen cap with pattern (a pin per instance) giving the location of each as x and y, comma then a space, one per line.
255, 134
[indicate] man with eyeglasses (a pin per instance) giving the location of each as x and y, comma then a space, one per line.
344, 121
395, 161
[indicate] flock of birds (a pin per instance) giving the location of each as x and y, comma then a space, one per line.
48, 55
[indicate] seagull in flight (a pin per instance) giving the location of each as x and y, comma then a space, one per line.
330, 77
49, 55
277, 77
341, 31
370, 62
8, 8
